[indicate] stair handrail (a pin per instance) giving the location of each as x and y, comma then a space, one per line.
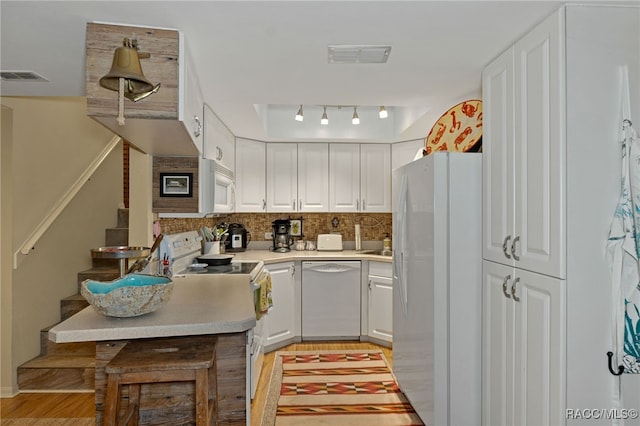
30, 242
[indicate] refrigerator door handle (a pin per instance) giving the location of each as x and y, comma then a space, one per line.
400, 233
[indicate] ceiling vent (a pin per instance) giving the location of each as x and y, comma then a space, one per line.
21, 76
358, 54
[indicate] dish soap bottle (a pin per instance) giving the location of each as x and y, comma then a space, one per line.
386, 243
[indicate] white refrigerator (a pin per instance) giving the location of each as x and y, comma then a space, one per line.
437, 279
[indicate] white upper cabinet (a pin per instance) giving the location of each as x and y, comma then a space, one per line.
344, 177
313, 177
360, 178
297, 177
523, 172
250, 176
191, 101
282, 177
219, 142
375, 178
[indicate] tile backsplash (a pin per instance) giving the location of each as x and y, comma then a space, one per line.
373, 226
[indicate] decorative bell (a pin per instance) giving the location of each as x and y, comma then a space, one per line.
126, 64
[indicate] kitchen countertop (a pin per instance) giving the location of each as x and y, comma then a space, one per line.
274, 257
211, 304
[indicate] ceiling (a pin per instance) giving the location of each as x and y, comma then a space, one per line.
257, 61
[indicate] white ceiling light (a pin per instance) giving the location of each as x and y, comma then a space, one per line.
383, 112
324, 120
299, 116
358, 54
355, 120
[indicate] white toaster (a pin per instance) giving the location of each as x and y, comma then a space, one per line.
329, 242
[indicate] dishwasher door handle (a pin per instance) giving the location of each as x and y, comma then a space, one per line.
330, 268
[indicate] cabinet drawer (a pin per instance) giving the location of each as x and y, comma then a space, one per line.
380, 269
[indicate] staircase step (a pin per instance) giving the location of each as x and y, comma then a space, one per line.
58, 372
71, 305
100, 273
116, 237
73, 349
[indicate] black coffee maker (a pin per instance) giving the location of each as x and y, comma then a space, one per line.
282, 239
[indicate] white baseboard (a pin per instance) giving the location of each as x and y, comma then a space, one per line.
8, 392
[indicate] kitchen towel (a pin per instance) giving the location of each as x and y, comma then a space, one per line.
262, 297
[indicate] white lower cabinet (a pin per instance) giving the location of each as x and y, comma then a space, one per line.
281, 320
380, 312
524, 347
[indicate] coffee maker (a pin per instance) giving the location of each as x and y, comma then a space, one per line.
282, 238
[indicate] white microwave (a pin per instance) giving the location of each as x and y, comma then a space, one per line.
224, 193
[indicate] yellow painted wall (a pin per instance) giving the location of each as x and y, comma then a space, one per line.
53, 142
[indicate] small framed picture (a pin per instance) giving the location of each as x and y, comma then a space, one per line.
176, 184
296, 227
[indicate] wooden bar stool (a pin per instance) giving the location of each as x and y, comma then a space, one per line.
176, 359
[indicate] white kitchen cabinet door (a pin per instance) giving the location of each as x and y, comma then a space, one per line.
344, 177
498, 158
219, 142
191, 101
524, 153
497, 346
524, 347
250, 176
281, 318
313, 177
375, 178
380, 312
282, 177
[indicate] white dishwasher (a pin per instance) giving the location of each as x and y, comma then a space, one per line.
330, 300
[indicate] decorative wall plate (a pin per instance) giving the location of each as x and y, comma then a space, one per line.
457, 130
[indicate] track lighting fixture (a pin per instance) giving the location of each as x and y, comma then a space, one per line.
355, 120
324, 120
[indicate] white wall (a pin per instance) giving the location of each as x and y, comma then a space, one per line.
600, 40
53, 143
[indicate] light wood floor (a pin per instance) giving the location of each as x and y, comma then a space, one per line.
78, 405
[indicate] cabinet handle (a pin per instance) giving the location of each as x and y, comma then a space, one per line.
198, 129
513, 248
300, 205
264, 204
364, 205
293, 270
293, 204
504, 286
358, 205
218, 153
369, 284
505, 243
513, 289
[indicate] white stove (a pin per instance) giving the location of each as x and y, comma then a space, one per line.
178, 251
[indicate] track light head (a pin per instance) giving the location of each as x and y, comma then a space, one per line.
299, 115
324, 120
383, 112
355, 120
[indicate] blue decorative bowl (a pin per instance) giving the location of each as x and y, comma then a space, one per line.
129, 296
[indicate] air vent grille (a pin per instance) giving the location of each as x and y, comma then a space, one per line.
358, 54
21, 76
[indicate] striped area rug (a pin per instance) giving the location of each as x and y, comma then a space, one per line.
351, 388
